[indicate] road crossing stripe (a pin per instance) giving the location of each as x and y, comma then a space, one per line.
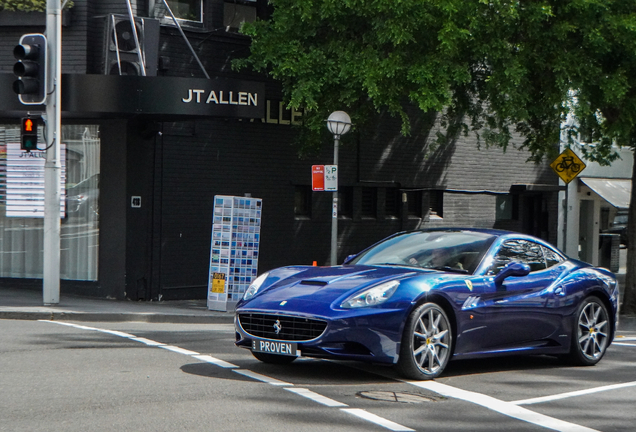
178, 350
146, 341
259, 377
622, 344
506, 408
215, 361
376, 419
316, 397
573, 393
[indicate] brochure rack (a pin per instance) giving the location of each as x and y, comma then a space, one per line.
236, 232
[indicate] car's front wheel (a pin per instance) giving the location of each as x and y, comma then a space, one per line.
426, 343
590, 338
273, 358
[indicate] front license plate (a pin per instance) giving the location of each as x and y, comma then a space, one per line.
275, 347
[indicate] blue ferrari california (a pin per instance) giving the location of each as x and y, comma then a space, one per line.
419, 298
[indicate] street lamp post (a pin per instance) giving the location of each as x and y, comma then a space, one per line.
338, 124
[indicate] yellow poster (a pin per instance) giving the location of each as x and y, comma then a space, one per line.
218, 283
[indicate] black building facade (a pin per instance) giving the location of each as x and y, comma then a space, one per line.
145, 156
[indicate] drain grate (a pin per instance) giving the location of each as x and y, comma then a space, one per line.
401, 397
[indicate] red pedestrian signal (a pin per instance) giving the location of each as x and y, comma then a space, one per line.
29, 134
28, 125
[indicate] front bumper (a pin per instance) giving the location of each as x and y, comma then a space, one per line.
371, 335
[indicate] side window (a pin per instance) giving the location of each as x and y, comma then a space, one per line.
521, 251
551, 257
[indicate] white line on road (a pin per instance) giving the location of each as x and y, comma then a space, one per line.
316, 397
147, 341
209, 359
263, 378
622, 344
178, 350
376, 419
573, 393
502, 407
215, 361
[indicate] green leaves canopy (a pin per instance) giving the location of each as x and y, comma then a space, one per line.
498, 66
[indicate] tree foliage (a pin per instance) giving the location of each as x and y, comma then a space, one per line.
27, 5
494, 67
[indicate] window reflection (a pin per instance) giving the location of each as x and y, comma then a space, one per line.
522, 251
22, 238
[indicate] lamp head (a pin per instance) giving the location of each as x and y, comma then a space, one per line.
339, 123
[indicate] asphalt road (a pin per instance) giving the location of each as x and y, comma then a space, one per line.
165, 377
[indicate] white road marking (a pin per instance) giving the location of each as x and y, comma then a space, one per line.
573, 393
376, 419
117, 333
178, 350
507, 408
502, 407
625, 338
215, 361
263, 378
316, 397
147, 341
623, 344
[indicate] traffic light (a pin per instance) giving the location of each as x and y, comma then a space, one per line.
29, 134
30, 69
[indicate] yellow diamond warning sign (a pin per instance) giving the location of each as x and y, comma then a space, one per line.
568, 165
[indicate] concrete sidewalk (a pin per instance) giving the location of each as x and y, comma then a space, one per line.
26, 304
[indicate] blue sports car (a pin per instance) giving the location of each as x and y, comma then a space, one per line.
419, 298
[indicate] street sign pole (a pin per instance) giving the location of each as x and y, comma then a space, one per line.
52, 165
334, 209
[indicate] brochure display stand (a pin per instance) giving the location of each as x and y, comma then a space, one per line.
236, 232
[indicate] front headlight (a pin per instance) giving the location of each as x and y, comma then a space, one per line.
254, 286
371, 297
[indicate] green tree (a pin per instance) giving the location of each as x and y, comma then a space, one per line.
492, 67
27, 5
23, 5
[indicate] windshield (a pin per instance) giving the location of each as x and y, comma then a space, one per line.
459, 251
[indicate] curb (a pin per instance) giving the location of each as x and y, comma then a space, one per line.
118, 317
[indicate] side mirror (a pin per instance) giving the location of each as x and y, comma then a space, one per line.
349, 258
512, 269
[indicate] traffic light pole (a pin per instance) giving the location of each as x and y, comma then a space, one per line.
53, 165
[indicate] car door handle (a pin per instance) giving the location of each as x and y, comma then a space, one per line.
559, 291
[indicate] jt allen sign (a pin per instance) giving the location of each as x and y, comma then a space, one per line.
134, 95
231, 98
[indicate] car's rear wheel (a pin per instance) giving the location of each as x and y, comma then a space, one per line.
426, 343
590, 338
273, 358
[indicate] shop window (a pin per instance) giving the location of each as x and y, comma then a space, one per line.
345, 202
507, 207
436, 203
414, 203
22, 205
368, 202
237, 12
188, 12
302, 202
392, 202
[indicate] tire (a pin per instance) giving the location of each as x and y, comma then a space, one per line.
427, 343
590, 337
273, 358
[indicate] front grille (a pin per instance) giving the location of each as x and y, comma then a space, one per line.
291, 328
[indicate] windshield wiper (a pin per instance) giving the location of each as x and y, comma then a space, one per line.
449, 269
